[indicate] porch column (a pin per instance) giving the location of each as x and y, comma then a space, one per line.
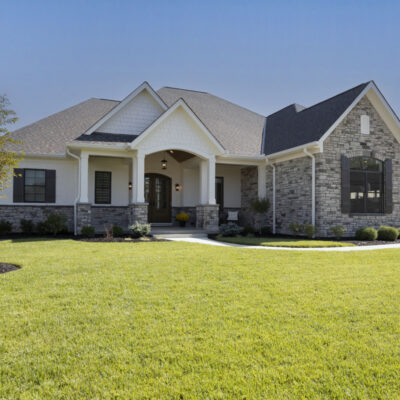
138, 178
84, 178
211, 181
262, 181
203, 181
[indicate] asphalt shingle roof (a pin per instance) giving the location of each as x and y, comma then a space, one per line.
296, 125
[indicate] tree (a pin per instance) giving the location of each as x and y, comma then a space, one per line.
8, 159
259, 207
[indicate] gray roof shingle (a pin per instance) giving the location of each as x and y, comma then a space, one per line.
296, 125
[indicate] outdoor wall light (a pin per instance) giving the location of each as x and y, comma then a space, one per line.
164, 164
130, 185
178, 187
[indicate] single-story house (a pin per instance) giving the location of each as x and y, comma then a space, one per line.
158, 153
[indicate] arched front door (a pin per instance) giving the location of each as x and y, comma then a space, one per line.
157, 193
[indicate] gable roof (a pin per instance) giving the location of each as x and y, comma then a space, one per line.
50, 135
238, 130
296, 125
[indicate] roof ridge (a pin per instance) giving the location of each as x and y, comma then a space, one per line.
284, 108
100, 98
187, 90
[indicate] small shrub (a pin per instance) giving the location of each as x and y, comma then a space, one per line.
117, 231
248, 230
230, 229
367, 234
56, 223
5, 228
259, 206
338, 231
108, 232
387, 233
43, 228
88, 231
265, 231
296, 228
309, 230
27, 226
182, 217
138, 230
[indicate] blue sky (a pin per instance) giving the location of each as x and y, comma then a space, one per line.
262, 55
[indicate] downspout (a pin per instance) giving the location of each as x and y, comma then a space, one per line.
273, 197
312, 186
79, 189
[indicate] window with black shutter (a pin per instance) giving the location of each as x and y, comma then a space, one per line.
102, 187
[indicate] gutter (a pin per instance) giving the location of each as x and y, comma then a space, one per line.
79, 189
273, 197
312, 185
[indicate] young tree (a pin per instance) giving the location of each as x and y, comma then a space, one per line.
8, 159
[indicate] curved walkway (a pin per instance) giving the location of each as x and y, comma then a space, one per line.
352, 248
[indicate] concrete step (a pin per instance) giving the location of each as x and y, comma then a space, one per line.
178, 232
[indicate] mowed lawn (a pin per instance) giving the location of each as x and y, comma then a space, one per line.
185, 321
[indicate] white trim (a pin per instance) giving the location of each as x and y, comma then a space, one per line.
79, 190
77, 145
273, 197
312, 186
124, 102
179, 103
293, 150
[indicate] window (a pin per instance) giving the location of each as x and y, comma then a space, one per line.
35, 185
366, 185
364, 122
102, 187
219, 191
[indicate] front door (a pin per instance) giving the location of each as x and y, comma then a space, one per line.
157, 192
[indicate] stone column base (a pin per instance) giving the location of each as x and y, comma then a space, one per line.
83, 216
207, 217
137, 212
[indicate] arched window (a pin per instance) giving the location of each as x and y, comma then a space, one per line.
366, 185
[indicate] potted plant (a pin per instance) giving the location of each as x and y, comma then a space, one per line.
182, 218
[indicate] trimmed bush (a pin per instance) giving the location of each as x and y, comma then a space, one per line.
309, 230
42, 228
5, 228
230, 229
138, 230
248, 230
338, 231
265, 231
88, 231
56, 223
367, 234
388, 233
117, 231
295, 228
27, 226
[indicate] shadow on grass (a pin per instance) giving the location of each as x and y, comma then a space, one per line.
6, 267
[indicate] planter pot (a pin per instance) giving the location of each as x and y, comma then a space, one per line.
182, 223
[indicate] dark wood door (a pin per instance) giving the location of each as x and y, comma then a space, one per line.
157, 192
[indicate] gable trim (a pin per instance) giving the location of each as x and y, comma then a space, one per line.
372, 86
179, 103
144, 86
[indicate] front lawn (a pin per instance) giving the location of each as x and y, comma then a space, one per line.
280, 242
174, 320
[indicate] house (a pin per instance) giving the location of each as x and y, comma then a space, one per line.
157, 153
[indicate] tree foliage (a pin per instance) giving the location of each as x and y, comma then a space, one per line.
8, 159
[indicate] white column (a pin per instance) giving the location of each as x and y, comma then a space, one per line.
203, 181
138, 178
262, 181
273, 200
84, 178
211, 180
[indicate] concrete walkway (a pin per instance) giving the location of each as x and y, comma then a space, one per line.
352, 248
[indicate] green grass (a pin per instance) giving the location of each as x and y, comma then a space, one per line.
280, 242
186, 321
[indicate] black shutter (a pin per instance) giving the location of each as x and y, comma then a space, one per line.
18, 185
345, 185
388, 192
50, 196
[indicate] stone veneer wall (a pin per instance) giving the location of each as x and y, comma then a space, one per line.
191, 211
137, 212
348, 140
109, 215
36, 213
207, 217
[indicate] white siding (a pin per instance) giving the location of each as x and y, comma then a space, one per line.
232, 186
66, 180
135, 117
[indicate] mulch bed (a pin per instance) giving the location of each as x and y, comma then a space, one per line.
120, 240
4, 267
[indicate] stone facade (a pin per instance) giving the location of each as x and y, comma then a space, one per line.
137, 212
35, 213
105, 216
191, 211
347, 139
207, 217
83, 216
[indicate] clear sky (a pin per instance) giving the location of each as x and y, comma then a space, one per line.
262, 55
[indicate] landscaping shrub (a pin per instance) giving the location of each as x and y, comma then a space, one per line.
388, 233
27, 226
182, 218
367, 234
338, 231
296, 228
88, 231
117, 231
43, 228
265, 231
309, 230
259, 206
56, 223
230, 229
5, 227
138, 230
248, 230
